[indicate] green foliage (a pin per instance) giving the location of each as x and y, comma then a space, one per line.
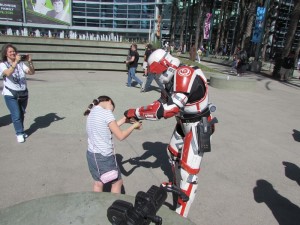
156, 44
191, 63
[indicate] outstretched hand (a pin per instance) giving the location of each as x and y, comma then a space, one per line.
138, 125
130, 114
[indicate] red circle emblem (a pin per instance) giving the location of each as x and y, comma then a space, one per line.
184, 72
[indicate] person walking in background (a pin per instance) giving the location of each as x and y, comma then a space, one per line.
133, 64
150, 76
172, 49
148, 51
234, 64
298, 66
241, 62
15, 92
287, 66
199, 54
100, 126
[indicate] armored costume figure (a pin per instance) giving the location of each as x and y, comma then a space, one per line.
185, 97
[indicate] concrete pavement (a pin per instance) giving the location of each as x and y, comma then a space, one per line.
249, 178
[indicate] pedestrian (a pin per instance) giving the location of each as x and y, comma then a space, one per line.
172, 49
287, 66
298, 66
234, 63
100, 126
133, 64
199, 53
148, 51
241, 62
150, 76
15, 92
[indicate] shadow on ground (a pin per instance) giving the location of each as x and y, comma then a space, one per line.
284, 211
43, 122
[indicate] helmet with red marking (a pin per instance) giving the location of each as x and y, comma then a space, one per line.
162, 62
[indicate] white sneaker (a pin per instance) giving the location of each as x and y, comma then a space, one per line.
20, 138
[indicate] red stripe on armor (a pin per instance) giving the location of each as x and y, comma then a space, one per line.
198, 108
173, 151
183, 204
183, 78
185, 152
184, 159
189, 169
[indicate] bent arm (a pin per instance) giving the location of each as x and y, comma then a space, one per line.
30, 69
122, 134
131, 59
10, 70
157, 109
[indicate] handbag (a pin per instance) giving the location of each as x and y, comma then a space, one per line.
109, 176
18, 94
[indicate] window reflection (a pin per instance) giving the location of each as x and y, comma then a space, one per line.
113, 13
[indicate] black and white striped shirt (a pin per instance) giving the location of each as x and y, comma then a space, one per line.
99, 134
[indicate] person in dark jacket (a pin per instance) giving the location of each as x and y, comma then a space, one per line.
287, 66
241, 62
133, 64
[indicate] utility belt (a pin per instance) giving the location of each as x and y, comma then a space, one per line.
195, 118
204, 129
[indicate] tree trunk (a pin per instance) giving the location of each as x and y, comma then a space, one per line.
224, 22
240, 25
248, 29
173, 21
220, 22
294, 19
191, 23
182, 23
199, 22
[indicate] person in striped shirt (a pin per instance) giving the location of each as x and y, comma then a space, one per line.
101, 125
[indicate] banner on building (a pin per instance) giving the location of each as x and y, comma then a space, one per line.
48, 11
207, 22
259, 25
11, 10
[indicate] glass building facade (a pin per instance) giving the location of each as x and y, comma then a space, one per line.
128, 18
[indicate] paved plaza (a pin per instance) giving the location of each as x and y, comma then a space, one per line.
251, 177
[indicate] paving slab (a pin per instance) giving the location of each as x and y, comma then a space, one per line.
251, 177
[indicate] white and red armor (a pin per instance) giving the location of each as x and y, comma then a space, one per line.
185, 97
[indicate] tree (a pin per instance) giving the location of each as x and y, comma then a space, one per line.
173, 20
294, 19
225, 22
220, 22
199, 21
250, 14
182, 23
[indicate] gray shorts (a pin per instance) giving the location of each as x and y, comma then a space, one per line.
99, 164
